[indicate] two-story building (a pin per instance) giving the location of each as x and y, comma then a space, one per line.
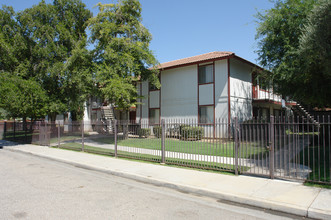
207, 87
203, 88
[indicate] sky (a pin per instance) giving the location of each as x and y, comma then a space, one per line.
185, 28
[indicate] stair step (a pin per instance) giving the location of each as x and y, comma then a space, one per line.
304, 113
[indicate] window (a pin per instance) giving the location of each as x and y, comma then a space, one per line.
206, 114
206, 74
154, 116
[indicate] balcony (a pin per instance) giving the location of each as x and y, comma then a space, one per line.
265, 94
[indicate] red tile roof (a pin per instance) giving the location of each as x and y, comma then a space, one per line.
195, 59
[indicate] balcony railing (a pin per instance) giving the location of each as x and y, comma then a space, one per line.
265, 94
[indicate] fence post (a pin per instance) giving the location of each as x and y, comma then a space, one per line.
40, 132
115, 131
14, 129
272, 149
4, 130
58, 135
25, 132
236, 144
162, 142
45, 134
82, 128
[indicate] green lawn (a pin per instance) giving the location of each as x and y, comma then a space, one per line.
318, 159
21, 136
289, 132
154, 158
215, 148
202, 147
18, 134
66, 138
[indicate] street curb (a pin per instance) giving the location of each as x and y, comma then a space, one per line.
254, 202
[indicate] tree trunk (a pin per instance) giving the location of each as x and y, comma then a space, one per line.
25, 127
31, 125
52, 118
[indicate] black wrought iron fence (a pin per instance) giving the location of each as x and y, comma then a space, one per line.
291, 148
21, 132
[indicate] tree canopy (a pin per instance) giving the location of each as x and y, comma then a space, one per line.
45, 48
22, 98
121, 55
46, 45
294, 46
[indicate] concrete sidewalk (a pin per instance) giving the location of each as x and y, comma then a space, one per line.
284, 196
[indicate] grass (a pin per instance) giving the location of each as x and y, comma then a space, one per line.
66, 138
216, 148
153, 158
318, 159
20, 136
78, 147
319, 185
289, 132
12, 134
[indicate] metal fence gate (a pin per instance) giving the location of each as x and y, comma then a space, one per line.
289, 148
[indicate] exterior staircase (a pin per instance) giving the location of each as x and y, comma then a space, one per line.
107, 114
301, 111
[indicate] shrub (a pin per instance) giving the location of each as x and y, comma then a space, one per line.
173, 130
144, 132
157, 130
194, 133
182, 126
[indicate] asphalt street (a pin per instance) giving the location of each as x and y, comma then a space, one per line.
38, 188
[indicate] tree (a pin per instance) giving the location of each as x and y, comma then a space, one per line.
12, 43
79, 83
18, 97
279, 32
47, 44
121, 55
315, 53
22, 98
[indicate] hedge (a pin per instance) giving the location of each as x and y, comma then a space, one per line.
157, 130
195, 133
144, 132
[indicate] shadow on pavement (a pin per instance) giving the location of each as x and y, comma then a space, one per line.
4, 143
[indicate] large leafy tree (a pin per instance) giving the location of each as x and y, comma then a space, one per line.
281, 51
18, 97
55, 32
315, 54
122, 55
48, 45
12, 44
22, 98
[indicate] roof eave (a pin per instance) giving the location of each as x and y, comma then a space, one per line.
197, 62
